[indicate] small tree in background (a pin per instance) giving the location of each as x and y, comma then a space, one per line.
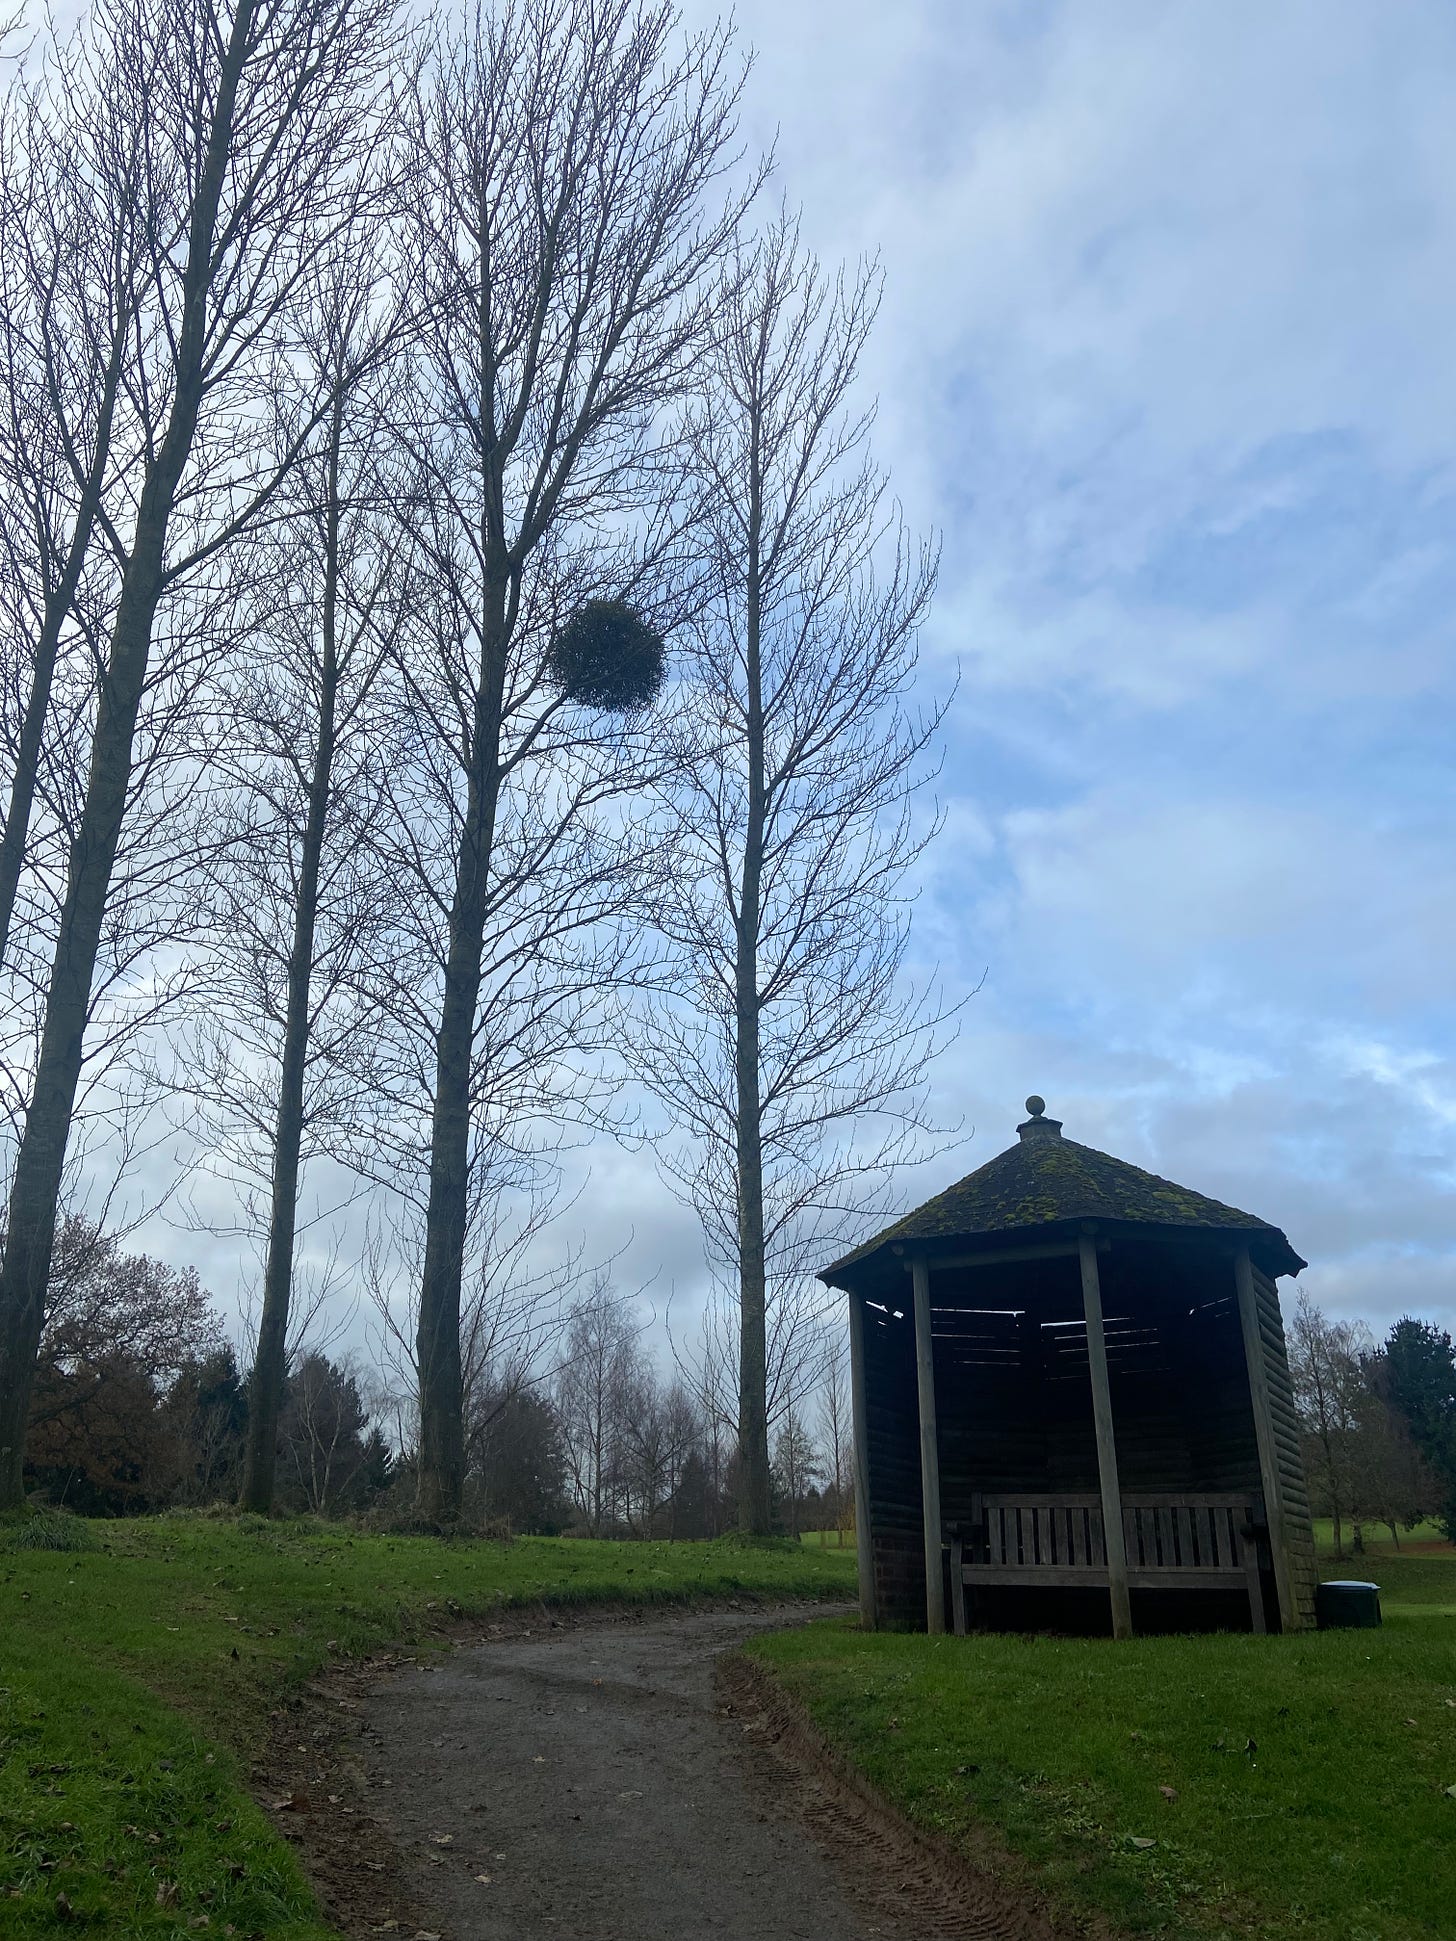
1420, 1380
121, 1333
797, 1467
1325, 1366
517, 1475
330, 1462
208, 1410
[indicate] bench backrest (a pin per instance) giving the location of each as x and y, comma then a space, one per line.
1064, 1531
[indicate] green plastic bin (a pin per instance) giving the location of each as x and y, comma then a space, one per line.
1346, 1605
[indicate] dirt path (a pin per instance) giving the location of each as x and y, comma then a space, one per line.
619, 1779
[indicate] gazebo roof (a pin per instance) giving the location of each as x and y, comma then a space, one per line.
1046, 1181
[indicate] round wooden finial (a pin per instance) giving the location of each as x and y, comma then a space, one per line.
1035, 1106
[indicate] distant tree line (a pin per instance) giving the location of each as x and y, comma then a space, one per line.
1378, 1421
457, 662
138, 1403
138, 1406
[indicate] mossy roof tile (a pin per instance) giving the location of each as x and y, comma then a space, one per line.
1046, 1179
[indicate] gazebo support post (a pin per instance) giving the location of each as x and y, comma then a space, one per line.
869, 1615
929, 1448
1106, 1444
1264, 1434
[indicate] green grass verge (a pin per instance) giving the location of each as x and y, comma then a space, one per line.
136, 1680
1309, 1774
1378, 1540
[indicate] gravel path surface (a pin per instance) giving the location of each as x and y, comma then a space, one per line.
592, 1781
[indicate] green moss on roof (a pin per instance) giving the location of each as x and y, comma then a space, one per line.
1046, 1179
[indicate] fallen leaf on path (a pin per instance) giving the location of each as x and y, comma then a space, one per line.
296, 1802
443, 1839
484, 1879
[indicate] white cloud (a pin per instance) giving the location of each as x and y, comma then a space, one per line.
1165, 354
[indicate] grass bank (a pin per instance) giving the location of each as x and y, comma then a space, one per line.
1223, 1786
136, 1679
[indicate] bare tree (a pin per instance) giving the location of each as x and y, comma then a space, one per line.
564, 152
302, 899
602, 1370
66, 235
323, 1439
789, 1052
230, 136
798, 1464
836, 1434
1325, 1359
517, 1312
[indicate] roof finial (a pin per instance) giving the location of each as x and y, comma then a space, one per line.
1037, 1127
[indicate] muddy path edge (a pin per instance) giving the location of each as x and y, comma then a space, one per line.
989, 1895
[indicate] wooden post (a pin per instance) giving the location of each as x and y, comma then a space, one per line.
869, 1608
1264, 1434
1112, 1532
929, 1449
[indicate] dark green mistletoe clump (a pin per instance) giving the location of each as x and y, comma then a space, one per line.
607, 657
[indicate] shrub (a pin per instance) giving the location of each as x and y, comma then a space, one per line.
45, 1529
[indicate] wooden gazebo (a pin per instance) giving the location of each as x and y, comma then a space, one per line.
1072, 1404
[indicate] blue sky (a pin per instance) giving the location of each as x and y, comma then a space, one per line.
1166, 356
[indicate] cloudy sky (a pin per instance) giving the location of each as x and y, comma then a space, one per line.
1166, 358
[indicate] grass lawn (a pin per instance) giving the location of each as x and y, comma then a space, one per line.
136, 1681
828, 1539
1201, 1787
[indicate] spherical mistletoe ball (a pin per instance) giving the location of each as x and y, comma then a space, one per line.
607, 657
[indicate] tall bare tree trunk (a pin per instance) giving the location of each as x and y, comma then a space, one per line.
442, 1423
40, 1160
755, 1502
790, 810
563, 149
265, 1387
58, 603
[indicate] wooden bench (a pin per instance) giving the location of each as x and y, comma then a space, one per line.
1173, 1542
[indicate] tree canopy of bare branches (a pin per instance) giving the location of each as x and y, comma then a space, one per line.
563, 213
216, 150
303, 899
788, 1051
